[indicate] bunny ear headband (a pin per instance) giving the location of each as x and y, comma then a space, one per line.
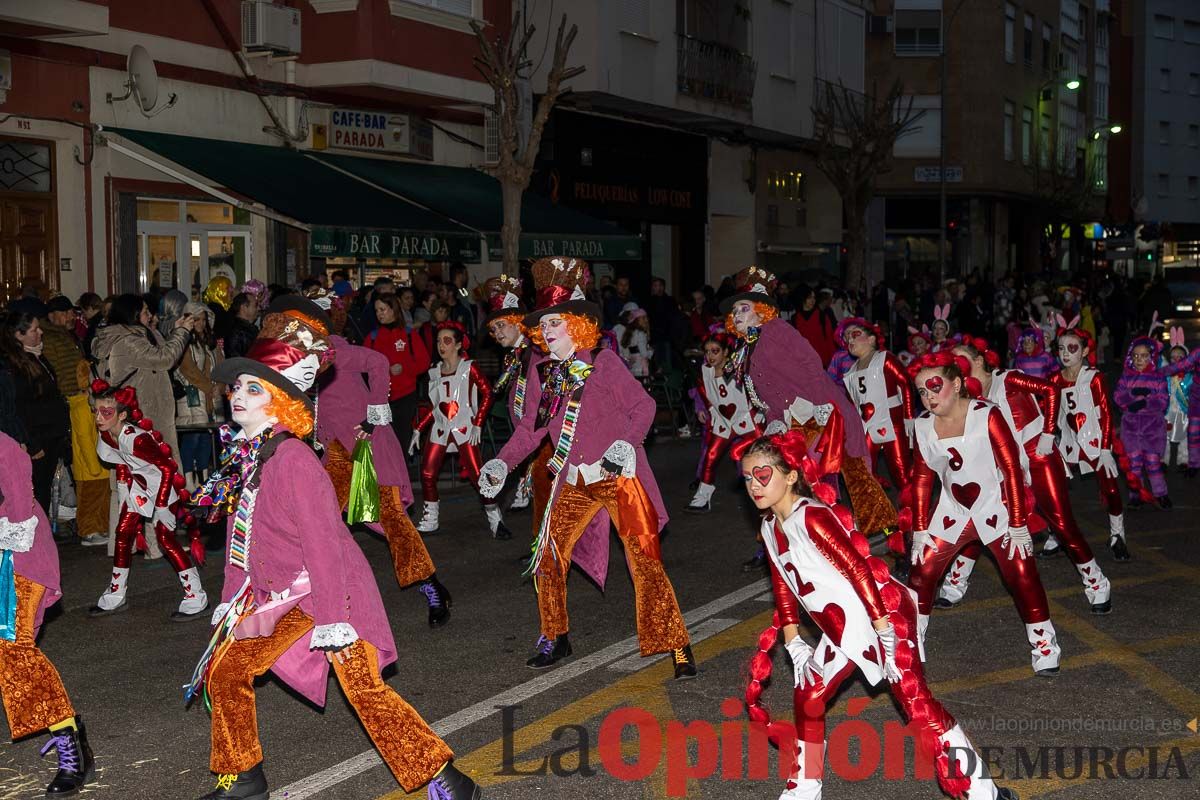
1176, 336
942, 313
1064, 325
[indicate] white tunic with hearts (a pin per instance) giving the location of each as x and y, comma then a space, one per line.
869, 390
1079, 407
454, 403
971, 480
728, 406
998, 394
826, 594
141, 494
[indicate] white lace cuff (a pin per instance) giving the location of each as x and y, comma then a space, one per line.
822, 413
17, 536
491, 478
380, 414
801, 411
622, 454
333, 637
775, 427
219, 612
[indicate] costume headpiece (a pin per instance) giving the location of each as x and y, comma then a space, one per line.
561, 284
503, 296
219, 291
866, 325
754, 284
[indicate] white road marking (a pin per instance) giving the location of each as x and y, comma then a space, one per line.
332, 776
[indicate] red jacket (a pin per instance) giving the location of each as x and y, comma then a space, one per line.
818, 328
402, 347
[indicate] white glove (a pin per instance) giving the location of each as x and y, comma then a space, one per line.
910, 429
166, 517
622, 455
414, 443
1107, 464
775, 427
491, 478
806, 672
1019, 543
1045, 445
473, 434
887, 638
921, 540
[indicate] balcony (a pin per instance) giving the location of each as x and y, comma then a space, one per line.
845, 108
713, 71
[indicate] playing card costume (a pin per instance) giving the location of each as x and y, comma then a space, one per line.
298, 595
149, 489
868, 622
34, 696
982, 499
594, 413
1020, 398
728, 418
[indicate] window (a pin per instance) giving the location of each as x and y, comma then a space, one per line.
1009, 119
1102, 31
1047, 46
1164, 133
1164, 80
923, 137
1193, 185
1164, 27
781, 39
1193, 139
918, 32
1194, 83
1010, 22
1044, 141
1026, 134
1100, 90
462, 7
1164, 184
1100, 164
1027, 50
1191, 31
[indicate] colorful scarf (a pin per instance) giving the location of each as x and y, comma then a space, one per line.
560, 380
738, 367
219, 496
511, 367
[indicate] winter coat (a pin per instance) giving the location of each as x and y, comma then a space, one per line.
200, 400
817, 326
404, 347
41, 407
63, 351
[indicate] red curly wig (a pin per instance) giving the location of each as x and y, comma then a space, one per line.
583, 330
765, 311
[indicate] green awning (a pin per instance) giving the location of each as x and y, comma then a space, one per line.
348, 217
472, 198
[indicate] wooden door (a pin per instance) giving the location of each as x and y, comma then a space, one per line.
28, 249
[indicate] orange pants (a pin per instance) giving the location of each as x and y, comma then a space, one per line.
410, 559
660, 625
410, 748
34, 696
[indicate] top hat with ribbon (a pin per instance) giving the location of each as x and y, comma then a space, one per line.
560, 284
754, 284
503, 296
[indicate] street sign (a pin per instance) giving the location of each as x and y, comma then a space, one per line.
379, 132
934, 174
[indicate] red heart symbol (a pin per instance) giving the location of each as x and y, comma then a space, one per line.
462, 430
449, 408
955, 574
870, 654
867, 410
959, 563
1077, 420
116, 576
1046, 652
116, 588
947, 522
991, 521
762, 474
1039, 631
1094, 443
141, 501
1092, 580
935, 384
830, 654
832, 621
954, 581
727, 410
1087, 570
1070, 449
965, 493
881, 431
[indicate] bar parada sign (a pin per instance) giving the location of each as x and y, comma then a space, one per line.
370, 243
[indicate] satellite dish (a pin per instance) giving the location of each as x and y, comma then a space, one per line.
143, 83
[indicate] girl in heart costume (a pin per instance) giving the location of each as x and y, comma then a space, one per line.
868, 621
594, 414
149, 489
1085, 423
965, 444
34, 696
727, 415
299, 596
1183, 412
1143, 397
460, 400
1020, 397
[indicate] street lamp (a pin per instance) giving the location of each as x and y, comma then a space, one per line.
1073, 84
1112, 129
1044, 93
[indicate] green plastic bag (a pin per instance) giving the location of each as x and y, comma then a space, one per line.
363, 505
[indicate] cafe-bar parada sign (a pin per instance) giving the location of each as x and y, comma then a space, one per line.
380, 132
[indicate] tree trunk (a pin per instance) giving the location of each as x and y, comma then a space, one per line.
510, 231
856, 248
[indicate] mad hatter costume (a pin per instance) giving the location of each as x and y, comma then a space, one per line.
595, 414
503, 321
298, 594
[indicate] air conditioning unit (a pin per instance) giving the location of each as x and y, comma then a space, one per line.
878, 25
266, 26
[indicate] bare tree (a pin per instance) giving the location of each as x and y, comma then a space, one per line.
1065, 183
854, 136
501, 61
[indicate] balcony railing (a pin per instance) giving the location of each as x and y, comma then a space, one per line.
845, 107
715, 72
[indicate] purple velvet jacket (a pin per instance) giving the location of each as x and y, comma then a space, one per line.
531, 357
40, 563
613, 406
784, 366
342, 400
297, 525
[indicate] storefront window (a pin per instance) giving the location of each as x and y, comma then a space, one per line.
158, 210
218, 213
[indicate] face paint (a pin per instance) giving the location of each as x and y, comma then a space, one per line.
763, 474
744, 316
558, 341
935, 384
248, 400
766, 483
1070, 351
936, 393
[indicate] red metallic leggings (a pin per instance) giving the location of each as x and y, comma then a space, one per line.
1020, 575
714, 449
898, 457
130, 525
432, 458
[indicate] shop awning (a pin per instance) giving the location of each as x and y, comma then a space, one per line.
472, 198
347, 216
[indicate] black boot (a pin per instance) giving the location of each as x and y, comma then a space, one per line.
548, 651
502, 532
249, 785
757, 563
1165, 503
1190, 472
439, 601
450, 784
1120, 550
1004, 793
685, 663
76, 767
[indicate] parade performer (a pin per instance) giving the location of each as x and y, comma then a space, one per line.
940, 329
595, 414
461, 399
1179, 425
503, 322
1085, 424
1143, 397
879, 388
149, 489
299, 595
352, 407
34, 696
1031, 357
784, 381
918, 344
839, 364
967, 446
868, 622
727, 415
1189, 364
1019, 397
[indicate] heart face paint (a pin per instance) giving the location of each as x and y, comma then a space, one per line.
767, 484
936, 393
762, 475
935, 384
1071, 351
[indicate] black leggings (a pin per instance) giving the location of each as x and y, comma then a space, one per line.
403, 411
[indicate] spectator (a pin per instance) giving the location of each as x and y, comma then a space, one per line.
408, 302
462, 310
40, 406
242, 330
816, 324
664, 316
423, 312
341, 283
384, 284
408, 359
91, 314
704, 313
633, 337
613, 305
200, 404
